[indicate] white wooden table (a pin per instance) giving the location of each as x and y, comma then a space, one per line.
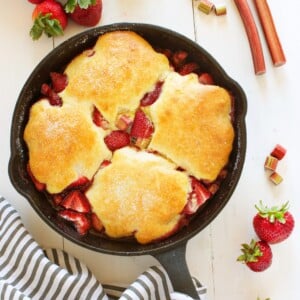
273, 108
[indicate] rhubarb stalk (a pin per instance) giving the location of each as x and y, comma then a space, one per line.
253, 36
270, 32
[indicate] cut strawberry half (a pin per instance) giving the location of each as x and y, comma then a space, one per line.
99, 120
142, 127
59, 81
197, 197
81, 222
151, 97
76, 201
38, 185
117, 139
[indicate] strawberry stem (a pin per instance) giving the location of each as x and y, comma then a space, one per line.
84, 4
273, 213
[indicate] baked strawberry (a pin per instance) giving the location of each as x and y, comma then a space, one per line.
274, 224
151, 97
99, 120
117, 139
84, 12
82, 183
257, 255
142, 127
197, 197
188, 68
59, 81
81, 222
77, 201
205, 78
50, 18
53, 97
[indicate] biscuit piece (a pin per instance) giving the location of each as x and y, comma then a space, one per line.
139, 193
64, 144
193, 126
115, 74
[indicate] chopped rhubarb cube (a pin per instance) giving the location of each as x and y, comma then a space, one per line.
99, 120
142, 127
271, 163
38, 185
76, 201
276, 178
59, 81
278, 152
197, 197
151, 97
81, 222
124, 122
117, 139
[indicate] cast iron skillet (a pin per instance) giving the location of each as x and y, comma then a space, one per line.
170, 252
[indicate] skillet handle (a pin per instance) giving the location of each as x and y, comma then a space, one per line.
175, 264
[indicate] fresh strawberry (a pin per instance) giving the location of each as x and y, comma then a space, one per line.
35, 1
59, 81
151, 97
197, 197
117, 139
76, 201
257, 255
38, 185
84, 12
81, 222
50, 18
274, 224
142, 127
99, 120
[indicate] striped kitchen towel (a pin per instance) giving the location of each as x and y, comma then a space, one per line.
29, 272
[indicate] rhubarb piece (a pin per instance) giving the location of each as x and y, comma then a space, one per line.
117, 139
220, 9
276, 178
270, 32
76, 200
81, 222
278, 152
253, 36
59, 81
123, 122
205, 6
271, 163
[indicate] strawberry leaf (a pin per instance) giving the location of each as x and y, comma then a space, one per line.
274, 213
84, 4
45, 24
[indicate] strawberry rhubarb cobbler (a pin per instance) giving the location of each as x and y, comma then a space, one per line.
129, 141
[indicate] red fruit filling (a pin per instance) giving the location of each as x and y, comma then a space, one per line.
59, 81
82, 183
117, 139
197, 197
81, 221
96, 223
51, 95
206, 78
188, 68
151, 97
124, 122
76, 201
99, 120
